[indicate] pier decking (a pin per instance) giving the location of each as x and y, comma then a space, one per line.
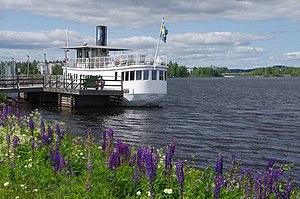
65, 91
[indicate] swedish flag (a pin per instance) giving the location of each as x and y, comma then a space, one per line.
163, 33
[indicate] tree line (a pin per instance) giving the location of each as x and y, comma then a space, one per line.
175, 70
22, 67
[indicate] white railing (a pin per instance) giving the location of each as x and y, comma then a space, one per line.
116, 61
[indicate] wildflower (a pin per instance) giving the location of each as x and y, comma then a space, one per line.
22, 186
17, 197
131, 163
16, 141
34, 190
220, 182
31, 125
180, 177
29, 165
6, 184
50, 134
138, 193
111, 162
168, 191
219, 166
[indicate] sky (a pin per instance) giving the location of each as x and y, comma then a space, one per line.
229, 33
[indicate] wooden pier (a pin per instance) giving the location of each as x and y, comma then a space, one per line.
89, 91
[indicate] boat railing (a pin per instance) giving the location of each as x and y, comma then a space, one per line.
116, 61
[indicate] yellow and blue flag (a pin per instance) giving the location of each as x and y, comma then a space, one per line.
163, 33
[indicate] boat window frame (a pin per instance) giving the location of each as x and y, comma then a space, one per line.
154, 75
140, 75
144, 76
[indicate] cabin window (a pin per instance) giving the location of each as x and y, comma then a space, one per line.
116, 75
154, 75
126, 75
146, 75
165, 75
122, 74
132, 75
138, 75
161, 75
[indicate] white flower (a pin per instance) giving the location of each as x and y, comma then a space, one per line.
6, 155
30, 160
6, 184
17, 197
29, 165
149, 194
25, 166
18, 156
168, 191
35, 190
21, 185
81, 153
138, 193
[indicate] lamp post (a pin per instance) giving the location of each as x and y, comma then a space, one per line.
13, 70
27, 65
45, 62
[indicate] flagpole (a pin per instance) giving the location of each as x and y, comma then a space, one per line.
159, 38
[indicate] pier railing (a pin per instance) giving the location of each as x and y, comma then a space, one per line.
56, 82
19, 81
87, 83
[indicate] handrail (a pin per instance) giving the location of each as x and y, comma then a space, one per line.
62, 82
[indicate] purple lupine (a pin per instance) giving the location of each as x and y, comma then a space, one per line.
219, 166
111, 162
287, 191
8, 142
132, 161
140, 158
220, 182
16, 142
42, 126
117, 158
104, 140
50, 134
58, 161
9, 112
59, 132
136, 177
270, 165
110, 133
31, 125
149, 164
180, 177
45, 139
4, 112
258, 186
151, 170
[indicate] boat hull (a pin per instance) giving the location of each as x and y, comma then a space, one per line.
148, 99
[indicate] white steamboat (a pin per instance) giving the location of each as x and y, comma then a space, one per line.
144, 77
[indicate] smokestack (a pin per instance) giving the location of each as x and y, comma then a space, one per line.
101, 36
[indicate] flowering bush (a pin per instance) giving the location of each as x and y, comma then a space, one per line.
39, 160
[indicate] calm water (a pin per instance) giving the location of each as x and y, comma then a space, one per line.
254, 118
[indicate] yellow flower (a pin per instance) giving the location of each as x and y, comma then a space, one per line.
168, 191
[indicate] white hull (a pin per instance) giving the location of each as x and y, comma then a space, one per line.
149, 99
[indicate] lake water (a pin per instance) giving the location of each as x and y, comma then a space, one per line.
253, 118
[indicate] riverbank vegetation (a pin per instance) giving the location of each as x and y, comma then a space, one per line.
38, 159
175, 70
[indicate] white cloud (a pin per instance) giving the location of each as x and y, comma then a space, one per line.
293, 55
134, 13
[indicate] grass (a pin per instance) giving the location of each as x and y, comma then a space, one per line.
39, 160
